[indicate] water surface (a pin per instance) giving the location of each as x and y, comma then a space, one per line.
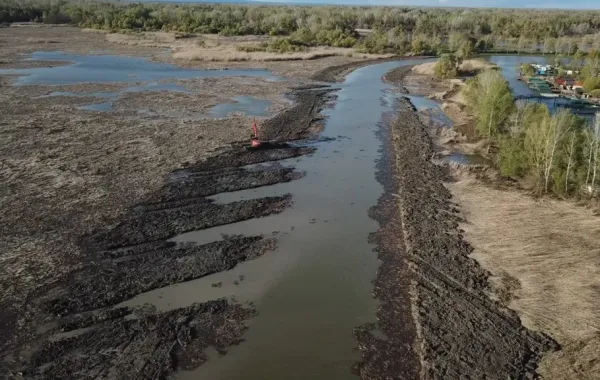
113, 68
247, 104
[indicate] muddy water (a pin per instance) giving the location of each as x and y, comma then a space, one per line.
114, 96
316, 287
249, 105
112, 68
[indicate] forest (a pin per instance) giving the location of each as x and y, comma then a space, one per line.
398, 30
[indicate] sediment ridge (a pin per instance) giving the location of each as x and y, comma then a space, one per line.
135, 256
461, 333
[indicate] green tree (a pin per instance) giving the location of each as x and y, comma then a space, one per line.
420, 46
490, 99
446, 67
543, 146
466, 50
528, 70
512, 157
591, 84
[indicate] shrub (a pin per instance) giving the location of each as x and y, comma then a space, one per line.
446, 67
591, 84
595, 93
512, 160
528, 70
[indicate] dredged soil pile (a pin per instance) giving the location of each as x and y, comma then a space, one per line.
461, 333
136, 256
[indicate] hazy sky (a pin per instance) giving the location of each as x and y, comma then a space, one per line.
566, 4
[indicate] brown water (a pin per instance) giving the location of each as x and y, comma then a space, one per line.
316, 287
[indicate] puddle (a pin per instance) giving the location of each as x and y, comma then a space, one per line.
114, 96
249, 105
104, 107
465, 159
111, 68
430, 111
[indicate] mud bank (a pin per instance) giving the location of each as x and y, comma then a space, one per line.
135, 256
396, 77
461, 332
393, 355
150, 346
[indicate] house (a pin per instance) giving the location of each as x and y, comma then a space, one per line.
566, 83
542, 69
578, 87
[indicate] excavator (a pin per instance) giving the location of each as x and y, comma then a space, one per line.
255, 140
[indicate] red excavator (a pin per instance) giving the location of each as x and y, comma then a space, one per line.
255, 140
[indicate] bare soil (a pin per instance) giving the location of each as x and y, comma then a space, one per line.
91, 199
461, 332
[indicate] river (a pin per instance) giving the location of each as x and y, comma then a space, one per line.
317, 286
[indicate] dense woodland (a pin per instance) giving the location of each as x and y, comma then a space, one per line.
395, 29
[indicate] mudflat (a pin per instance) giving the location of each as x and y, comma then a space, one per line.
91, 198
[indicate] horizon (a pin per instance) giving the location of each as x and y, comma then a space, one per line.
505, 4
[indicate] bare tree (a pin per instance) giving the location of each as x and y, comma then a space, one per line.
593, 152
542, 143
570, 153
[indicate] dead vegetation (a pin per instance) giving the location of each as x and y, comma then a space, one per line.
545, 258
215, 48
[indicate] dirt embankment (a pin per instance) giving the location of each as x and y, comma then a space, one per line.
393, 355
542, 254
461, 331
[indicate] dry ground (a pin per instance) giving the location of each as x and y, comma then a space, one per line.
544, 255
215, 48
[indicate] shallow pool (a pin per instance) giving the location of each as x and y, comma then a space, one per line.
112, 68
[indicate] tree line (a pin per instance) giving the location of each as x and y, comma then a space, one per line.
395, 29
554, 153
